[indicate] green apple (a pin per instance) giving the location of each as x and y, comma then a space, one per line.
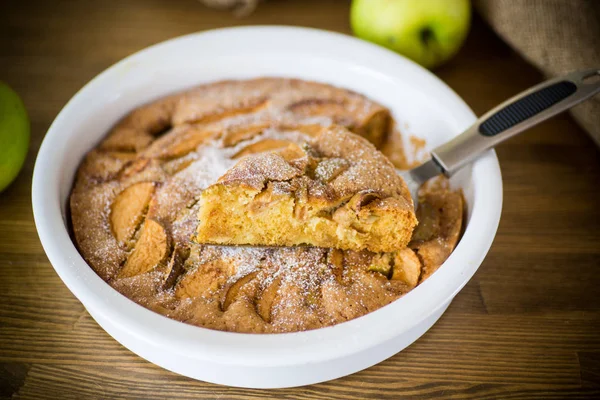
429, 32
14, 135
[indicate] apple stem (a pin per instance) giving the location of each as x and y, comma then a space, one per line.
426, 36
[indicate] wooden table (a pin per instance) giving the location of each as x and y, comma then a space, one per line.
526, 326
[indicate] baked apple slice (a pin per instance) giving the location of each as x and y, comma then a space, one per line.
237, 134
233, 291
266, 299
151, 249
407, 267
204, 280
381, 263
262, 146
128, 209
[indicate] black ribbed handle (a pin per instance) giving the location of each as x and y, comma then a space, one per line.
516, 115
526, 107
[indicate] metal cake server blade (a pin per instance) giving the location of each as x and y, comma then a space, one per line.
514, 116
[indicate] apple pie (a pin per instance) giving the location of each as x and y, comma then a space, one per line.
137, 196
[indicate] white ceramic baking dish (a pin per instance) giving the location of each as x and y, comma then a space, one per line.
423, 105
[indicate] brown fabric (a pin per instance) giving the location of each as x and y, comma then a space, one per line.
556, 36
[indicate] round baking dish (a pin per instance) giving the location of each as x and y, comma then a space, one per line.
423, 106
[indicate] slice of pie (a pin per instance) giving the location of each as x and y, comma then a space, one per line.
334, 191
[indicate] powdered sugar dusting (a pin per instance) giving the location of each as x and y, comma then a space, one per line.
310, 291
211, 165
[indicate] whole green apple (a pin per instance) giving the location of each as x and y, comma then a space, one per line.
429, 32
14, 135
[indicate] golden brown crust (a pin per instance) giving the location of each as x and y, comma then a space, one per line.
440, 215
159, 143
219, 107
336, 190
135, 201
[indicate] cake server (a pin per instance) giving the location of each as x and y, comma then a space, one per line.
514, 116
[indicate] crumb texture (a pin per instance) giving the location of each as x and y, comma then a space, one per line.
283, 147
336, 190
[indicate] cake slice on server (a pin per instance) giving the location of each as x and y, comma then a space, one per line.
336, 190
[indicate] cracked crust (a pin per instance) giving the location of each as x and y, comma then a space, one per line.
336, 191
136, 197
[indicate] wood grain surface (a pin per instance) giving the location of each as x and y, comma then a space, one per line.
526, 326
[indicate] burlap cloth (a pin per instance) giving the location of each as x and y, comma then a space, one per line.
557, 36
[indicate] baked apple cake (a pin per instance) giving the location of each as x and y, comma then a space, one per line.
258, 206
336, 190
